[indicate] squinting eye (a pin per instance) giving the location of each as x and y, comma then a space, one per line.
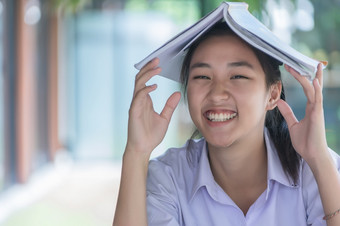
201, 77
238, 77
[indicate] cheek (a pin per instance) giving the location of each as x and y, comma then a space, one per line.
194, 102
252, 101
192, 94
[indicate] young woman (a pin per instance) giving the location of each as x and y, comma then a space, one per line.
247, 169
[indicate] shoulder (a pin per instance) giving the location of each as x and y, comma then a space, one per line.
169, 182
186, 155
175, 164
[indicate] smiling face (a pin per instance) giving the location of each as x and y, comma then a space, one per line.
227, 93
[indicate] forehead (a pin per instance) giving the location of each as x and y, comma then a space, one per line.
227, 46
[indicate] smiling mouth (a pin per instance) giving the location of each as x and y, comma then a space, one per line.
220, 117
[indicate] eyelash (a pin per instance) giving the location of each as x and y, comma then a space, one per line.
233, 77
201, 77
239, 77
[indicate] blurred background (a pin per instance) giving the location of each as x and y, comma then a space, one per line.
66, 82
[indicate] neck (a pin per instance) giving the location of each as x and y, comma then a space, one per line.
240, 166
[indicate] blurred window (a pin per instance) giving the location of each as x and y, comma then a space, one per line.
96, 84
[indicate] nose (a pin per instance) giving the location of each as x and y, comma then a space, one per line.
219, 91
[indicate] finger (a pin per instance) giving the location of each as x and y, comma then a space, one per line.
143, 93
152, 64
287, 113
318, 84
318, 91
305, 83
319, 74
170, 106
140, 82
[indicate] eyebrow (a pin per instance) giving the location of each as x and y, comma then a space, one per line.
200, 64
241, 64
232, 64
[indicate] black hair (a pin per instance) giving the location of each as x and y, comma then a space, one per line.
274, 121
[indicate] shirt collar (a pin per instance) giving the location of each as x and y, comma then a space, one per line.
204, 177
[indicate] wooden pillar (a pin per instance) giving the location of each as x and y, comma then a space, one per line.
26, 126
54, 144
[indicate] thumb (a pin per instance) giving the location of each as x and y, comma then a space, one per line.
170, 106
287, 113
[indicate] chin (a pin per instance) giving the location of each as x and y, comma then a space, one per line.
219, 143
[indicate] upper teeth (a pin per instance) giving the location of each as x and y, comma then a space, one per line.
220, 117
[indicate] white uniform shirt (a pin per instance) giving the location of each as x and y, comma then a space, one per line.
181, 190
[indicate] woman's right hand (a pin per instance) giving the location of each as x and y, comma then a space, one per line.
147, 128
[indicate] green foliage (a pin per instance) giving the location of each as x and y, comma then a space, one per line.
189, 8
326, 33
69, 5
255, 7
179, 11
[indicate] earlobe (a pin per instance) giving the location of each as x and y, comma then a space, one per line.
275, 94
271, 104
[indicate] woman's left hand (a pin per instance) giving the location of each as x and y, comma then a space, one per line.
308, 135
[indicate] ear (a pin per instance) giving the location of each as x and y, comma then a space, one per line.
274, 95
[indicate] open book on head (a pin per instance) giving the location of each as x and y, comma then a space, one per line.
246, 26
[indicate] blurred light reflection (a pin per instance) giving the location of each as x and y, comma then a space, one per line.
32, 12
